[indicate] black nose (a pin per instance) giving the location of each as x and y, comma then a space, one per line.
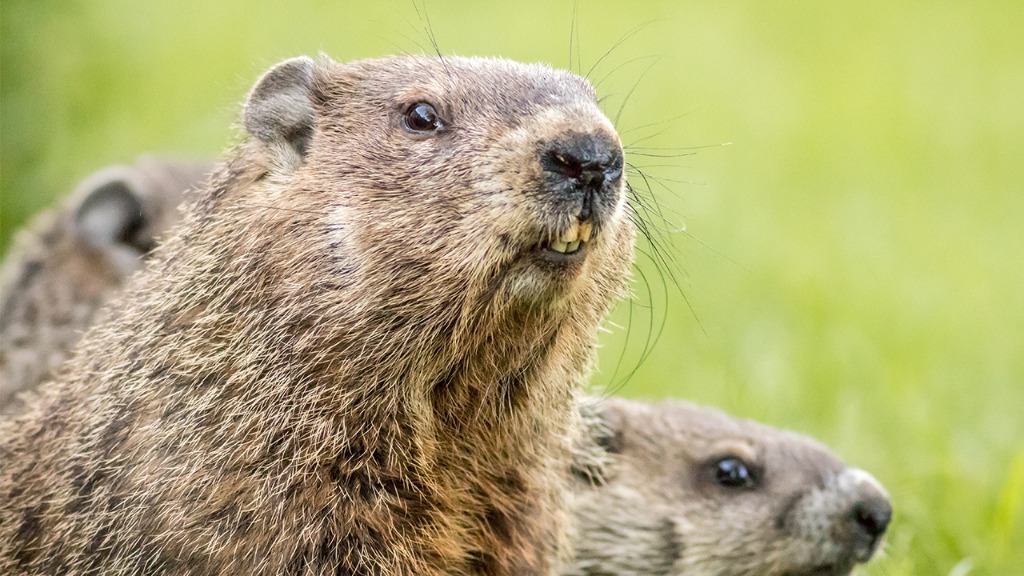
585, 161
872, 515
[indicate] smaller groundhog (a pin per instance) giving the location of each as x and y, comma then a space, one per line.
676, 489
73, 258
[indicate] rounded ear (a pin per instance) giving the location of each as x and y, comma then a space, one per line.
109, 211
280, 108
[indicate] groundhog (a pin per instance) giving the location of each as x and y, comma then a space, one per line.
676, 489
358, 353
73, 258
701, 434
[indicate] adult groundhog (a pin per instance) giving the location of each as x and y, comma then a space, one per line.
675, 489
358, 353
73, 258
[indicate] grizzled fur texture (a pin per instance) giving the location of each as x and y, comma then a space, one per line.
675, 489
351, 357
607, 423
73, 258
599, 452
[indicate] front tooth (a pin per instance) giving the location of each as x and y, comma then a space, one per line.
559, 246
586, 228
571, 235
573, 246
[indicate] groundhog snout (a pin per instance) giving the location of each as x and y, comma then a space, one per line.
864, 517
869, 517
585, 169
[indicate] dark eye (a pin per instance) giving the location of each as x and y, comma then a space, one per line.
733, 472
422, 117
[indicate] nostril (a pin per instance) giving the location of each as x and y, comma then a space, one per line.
588, 159
563, 163
872, 516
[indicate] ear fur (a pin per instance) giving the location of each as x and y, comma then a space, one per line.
280, 109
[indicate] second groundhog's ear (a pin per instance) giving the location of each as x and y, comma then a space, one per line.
280, 108
108, 210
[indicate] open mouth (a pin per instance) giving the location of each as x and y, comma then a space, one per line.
570, 242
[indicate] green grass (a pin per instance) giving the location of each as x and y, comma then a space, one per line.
852, 263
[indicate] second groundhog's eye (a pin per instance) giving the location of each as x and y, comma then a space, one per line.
733, 472
421, 117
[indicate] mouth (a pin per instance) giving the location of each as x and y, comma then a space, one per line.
570, 244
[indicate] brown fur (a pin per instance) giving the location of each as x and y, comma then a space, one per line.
597, 458
73, 258
348, 358
648, 503
608, 463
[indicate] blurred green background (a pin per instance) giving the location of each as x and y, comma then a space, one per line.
851, 265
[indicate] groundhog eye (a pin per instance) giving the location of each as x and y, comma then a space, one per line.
422, 117
732, 472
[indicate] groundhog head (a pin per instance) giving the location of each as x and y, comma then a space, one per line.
689, 490
502, 178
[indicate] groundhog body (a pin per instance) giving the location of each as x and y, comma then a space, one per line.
359, 351
75, 257
676, 489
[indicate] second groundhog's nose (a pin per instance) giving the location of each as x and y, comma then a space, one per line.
585, 161
870, 514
